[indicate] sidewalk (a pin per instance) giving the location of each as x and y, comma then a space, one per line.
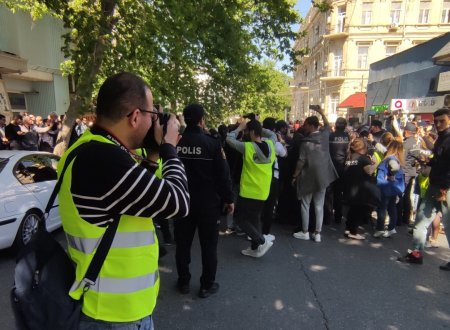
336, 284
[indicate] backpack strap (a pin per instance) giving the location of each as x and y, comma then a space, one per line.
107, 239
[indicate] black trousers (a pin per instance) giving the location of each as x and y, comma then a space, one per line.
355, 216
333, 202
208, 233
269, 207
405, 206
248, 217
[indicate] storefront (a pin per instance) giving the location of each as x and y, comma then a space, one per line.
412, 83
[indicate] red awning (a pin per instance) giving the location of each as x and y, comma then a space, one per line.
357, 100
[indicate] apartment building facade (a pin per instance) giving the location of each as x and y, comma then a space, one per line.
30, 56
338, 46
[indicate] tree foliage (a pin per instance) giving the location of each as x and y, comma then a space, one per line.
206, 51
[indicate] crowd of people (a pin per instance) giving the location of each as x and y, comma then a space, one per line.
139, 164
34, 133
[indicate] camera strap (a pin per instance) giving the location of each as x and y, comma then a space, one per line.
97, 130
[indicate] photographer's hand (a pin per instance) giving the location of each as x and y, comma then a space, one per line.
172, 136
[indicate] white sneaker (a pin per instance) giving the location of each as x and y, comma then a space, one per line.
357, 237
259, 252
317, 238
302, 235
389, 233
269, 237
379, 233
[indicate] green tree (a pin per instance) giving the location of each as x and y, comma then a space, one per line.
188, 50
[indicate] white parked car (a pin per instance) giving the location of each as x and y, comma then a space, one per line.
27, 179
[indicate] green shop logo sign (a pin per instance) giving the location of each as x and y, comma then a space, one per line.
379, 108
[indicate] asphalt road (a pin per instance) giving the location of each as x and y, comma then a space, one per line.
336, 284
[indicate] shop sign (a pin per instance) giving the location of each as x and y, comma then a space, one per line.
379, 108
444, 82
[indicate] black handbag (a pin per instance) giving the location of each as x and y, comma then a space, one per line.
44, 274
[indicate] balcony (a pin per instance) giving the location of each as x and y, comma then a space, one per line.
333, 75
336, 32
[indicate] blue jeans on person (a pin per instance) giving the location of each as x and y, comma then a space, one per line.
387, 205
88, 323
428, 209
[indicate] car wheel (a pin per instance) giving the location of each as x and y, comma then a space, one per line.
27, 228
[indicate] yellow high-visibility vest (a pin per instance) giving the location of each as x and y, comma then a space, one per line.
128, 283
256, 178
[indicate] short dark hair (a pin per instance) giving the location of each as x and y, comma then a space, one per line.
193, 114
313, 121
119, 94
341, 123
269, 123
376, 123
2, 116
255, 126
442, 111
281, 124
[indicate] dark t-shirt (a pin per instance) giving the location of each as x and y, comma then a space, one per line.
354, 175
11, 132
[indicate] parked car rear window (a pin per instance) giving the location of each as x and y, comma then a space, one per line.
3, 162
36, 168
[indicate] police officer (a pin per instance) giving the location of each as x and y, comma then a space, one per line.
210, 188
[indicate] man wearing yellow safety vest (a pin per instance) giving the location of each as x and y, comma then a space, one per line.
256, 177
106, 183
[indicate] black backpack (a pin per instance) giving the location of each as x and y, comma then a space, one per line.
44, 274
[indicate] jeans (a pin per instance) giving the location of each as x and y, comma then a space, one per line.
88, 323
428, 209
319, 199
387, 205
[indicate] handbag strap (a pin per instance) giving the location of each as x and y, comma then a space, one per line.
108, 237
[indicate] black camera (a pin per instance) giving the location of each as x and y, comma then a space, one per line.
314, 107
149, 140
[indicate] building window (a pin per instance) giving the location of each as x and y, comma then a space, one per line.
363, 56
337, 65
340, 19
396, 10
424, 12
17, 101
366, 18
332, 105
391, 49
446, 12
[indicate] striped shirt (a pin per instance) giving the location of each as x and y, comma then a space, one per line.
107, 181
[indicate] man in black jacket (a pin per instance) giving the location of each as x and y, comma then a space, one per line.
437, 197
209, 187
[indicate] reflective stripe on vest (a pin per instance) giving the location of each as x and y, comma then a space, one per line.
121, 240
120, 285
256, 178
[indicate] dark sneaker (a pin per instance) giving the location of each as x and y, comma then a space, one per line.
205, 293
413, 257
183, 288
445, 267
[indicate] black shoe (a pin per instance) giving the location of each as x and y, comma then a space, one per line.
413, 257
183, 288
205, 293
445, 267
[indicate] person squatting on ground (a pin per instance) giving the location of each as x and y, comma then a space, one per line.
314, 173
105, 183
258, 159
437, 196
210, 186
361, 194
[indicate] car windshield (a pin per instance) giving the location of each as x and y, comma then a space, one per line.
3, 162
